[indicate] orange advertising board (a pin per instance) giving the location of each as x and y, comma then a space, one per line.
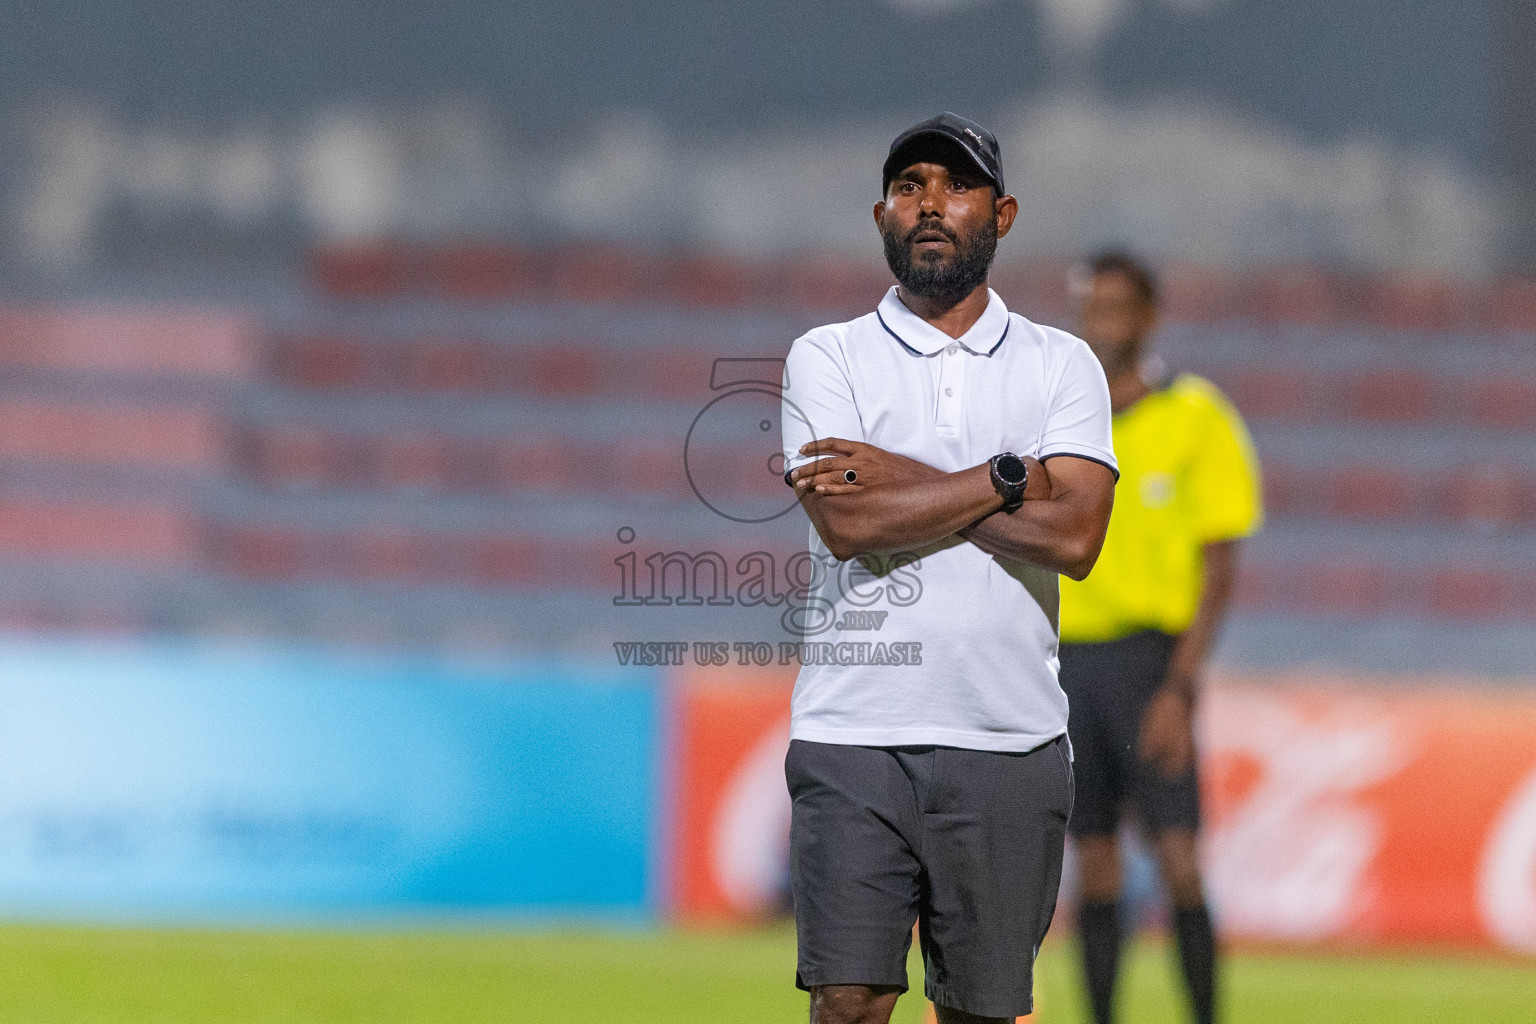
1391, 811
731, 849
1336, 810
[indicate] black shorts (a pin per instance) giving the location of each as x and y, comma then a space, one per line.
1109, 686
967, 843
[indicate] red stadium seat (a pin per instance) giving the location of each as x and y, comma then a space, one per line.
179, 342
144, 534
77, 433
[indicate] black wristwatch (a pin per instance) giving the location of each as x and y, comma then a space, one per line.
1010, 476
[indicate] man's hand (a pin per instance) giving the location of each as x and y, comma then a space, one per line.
894, 503
1168, 730
872, 467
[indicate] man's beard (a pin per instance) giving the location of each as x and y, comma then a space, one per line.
945, 279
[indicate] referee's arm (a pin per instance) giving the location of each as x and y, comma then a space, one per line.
1218, 575
1167, 727
898, 503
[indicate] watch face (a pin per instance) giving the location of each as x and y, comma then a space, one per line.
1011, 469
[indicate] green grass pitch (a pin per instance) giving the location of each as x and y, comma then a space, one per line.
168, 976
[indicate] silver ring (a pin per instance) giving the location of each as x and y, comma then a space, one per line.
850, 476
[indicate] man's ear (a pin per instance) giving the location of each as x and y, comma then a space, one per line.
1007, 209
880, 215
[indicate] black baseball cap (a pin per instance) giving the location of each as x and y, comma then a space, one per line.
978, 144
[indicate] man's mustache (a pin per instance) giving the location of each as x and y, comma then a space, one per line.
932, 228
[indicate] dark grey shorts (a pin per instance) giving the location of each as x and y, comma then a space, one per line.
967, 843
1109, 686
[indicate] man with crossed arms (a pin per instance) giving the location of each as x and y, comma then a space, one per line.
944, 434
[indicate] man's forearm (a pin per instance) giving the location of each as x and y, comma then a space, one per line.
1064, 532
1043, 533
897, 503
903, 515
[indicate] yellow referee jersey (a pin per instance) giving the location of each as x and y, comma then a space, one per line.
1188, 477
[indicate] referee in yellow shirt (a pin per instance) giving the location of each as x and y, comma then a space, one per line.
1136, 632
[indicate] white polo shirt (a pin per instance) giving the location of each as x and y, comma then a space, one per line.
965, 654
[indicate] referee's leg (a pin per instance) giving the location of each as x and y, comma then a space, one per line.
1102, 724
1170, 810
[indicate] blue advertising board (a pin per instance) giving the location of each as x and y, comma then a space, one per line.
183, 781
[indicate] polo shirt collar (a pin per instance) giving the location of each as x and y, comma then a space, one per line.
921, 337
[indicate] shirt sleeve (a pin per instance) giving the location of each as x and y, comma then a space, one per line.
1078, 421
1224, 479
817, 398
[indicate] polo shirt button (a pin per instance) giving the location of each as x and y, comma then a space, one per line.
953, 349
949, 392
